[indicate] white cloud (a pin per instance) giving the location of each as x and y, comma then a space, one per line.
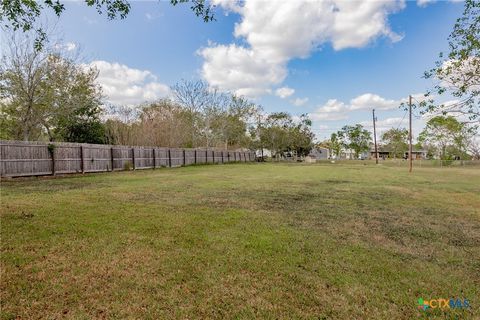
298, 102
128, 86
386, 123
318, 116
338, 110
67, 46
277, 33
70, 46
333, 105
229, 5
370, 101
284, 92
331, 111
424, 3
241, 70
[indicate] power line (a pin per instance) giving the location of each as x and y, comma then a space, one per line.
402, 119
416, 116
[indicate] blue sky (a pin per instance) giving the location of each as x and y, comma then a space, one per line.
334, 67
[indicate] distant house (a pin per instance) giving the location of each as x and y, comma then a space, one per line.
319, 154
349, 154
418, 154
382, 153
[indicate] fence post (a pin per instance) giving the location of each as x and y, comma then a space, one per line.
111, 155
222, 157
82, 163
235, 156
184, 158
133, 158
206, 156
213, 156
154, 160
169, 158
195, 156
52, 153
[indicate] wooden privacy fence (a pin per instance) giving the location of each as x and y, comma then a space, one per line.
39, 158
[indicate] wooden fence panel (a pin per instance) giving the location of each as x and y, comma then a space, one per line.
25, 160
122, 157
68, 159
190, 156
224, 156
209, 154
201, 156
176, 156
218, 157
143, 158
97, 158
161, 157
18, 158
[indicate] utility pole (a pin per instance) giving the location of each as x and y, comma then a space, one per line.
375, 136
259, 132
410, 149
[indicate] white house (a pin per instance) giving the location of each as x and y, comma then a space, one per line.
320, 153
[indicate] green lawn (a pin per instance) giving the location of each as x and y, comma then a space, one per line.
242, 241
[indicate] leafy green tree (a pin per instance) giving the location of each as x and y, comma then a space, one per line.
230, 123
280, 134
73, 100
335, 144
85, 131
447, 136
355, 138
396, 140
274, 133
302, 136
458, 72
23, 14
45, 94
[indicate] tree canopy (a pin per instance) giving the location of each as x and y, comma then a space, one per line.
281, 134
448, 137
396, 141
46, 94
457, 73
355, 138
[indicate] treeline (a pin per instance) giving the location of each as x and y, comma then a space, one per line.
196, 116
444, 137
45, 94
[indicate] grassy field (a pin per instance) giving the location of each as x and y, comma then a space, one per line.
242, 241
